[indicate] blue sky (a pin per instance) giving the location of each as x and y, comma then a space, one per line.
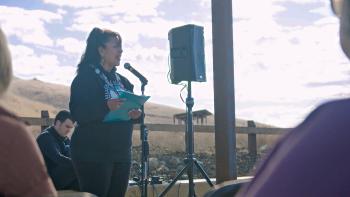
287, 54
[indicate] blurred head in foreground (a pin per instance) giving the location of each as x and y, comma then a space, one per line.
5, 64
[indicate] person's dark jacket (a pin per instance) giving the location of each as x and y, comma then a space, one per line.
55, 149
93, 139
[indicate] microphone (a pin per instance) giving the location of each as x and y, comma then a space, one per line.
136, 73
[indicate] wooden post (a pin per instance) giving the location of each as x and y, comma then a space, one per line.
45, 119
224, 97
252, 145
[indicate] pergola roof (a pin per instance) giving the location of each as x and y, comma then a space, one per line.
196, 114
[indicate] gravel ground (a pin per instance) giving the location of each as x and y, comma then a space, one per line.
167, 165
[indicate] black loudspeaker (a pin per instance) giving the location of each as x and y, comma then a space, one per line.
187, 62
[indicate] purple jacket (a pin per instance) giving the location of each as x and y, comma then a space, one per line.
311, 160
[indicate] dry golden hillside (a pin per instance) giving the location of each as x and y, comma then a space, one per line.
23, 106
29, 97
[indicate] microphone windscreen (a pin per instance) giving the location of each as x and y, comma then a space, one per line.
127, 66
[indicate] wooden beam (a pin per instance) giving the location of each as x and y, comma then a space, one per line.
45, 118
174, 128
224, 97
211, 129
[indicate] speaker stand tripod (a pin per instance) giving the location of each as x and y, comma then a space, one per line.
190, 160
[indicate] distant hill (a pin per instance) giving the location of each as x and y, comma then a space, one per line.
29, 97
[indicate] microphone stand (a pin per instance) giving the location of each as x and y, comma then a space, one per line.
144, 148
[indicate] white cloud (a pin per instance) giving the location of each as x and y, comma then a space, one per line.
80, 3
301, 1
277, 115
130, 7
273, 63
71, 45
47, 67
27, 25
61, 11
258, 11
130, 29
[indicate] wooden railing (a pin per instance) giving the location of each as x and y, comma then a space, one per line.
251, 130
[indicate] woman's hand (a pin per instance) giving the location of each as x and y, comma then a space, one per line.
134, 113
114, 104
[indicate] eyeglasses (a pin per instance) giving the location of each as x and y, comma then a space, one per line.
337, 7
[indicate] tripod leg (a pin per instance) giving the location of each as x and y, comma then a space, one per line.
203, 173
191, 192
174, 181
144, 179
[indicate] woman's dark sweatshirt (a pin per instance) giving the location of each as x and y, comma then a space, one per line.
93, 139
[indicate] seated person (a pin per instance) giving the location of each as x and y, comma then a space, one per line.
55, 147
22, 168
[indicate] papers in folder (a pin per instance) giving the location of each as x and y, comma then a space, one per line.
132, 101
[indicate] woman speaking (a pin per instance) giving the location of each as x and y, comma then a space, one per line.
101, 151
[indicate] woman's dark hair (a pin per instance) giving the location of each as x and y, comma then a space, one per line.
97, 38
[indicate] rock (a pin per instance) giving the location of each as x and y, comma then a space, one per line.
153, 163
167, 164
162, 163
174, 161
263, 148
179, 168
163, 169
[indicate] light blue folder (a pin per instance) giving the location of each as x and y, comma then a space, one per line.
132, 101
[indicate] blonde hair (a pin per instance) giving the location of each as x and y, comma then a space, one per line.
5, 64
